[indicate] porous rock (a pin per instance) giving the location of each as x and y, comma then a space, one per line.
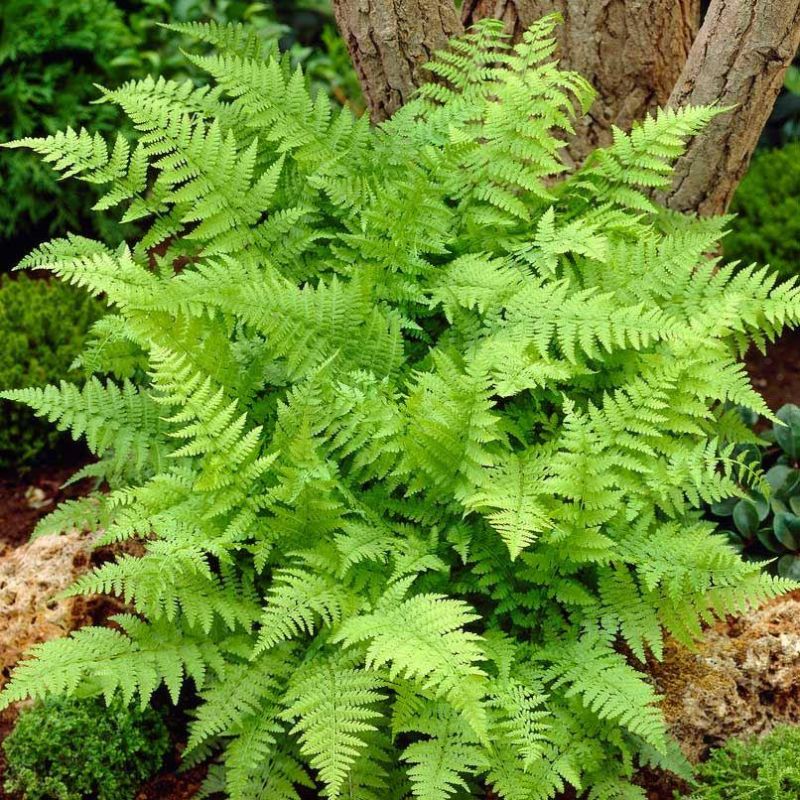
31, 576
743, 678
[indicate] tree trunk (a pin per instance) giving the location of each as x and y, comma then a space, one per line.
389, 41
638, 54
631, 51
739, 58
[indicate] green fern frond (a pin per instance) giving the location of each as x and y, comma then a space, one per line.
134, 661
643, 158
230, 37
120, 420
333, 708
296, 602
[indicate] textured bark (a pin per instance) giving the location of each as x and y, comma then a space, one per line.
739, 58
638, 54
389, 41
631, 51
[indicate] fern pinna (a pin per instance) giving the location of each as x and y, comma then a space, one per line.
414, 426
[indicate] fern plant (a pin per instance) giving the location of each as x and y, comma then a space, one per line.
416, 428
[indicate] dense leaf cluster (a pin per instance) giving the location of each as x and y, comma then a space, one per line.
67, 749
753, 768
766, 524
767, 205
43, 326
415, 427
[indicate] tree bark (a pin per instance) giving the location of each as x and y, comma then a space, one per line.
739, 58
638, 54
389, 41
631, 51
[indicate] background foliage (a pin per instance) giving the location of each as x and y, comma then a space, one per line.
53, 52
783, 125
767, 205
43, 325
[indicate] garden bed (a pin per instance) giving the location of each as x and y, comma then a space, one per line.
443, 464
26, 498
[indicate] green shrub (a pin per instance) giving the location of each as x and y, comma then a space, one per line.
421, 434
766, 523
767, 202
67, 749
43, 325
753, 769
52, 52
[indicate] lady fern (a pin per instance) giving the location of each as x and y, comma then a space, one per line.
415, 432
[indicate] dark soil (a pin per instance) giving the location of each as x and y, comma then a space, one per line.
776, 375
27, 497
172, 785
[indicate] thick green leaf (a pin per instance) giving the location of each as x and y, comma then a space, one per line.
761, 504
788, 434
768, 539
789, 567
746, 518
787, 530
724, 508
776, 476
778, 506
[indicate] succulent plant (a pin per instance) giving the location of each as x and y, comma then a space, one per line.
765, 525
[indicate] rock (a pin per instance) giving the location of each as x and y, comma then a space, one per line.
743, 678
31, 575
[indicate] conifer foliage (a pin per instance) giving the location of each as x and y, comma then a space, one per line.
415, 427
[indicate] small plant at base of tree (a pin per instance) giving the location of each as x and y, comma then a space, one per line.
68, 749
422, 428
